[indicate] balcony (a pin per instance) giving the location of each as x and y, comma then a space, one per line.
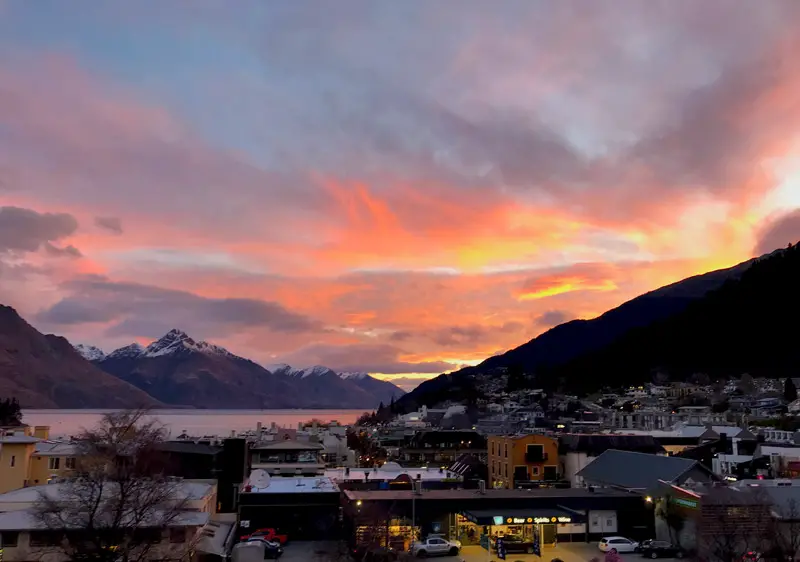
535, 457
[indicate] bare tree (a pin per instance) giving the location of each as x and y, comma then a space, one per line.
673, 515
119, 504
734, 523
784, 536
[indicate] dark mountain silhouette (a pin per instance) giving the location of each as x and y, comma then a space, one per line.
44, 371
745, 326
570, 354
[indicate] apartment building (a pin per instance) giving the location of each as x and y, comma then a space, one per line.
516, 459
28, 458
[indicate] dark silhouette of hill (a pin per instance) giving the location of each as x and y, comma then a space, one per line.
745, 326
561, 355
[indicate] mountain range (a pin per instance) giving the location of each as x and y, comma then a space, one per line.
46, 371
723, 323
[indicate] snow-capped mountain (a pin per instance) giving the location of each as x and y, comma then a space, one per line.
178, 369
90, 352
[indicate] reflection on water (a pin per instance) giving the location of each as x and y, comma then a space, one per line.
64, 423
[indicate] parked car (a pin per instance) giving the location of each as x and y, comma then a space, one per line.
517, 545
270, 534
435, 546
661, 549
620, 544
643, 544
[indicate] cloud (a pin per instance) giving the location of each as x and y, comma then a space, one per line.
369, 358
779, 232
552, 318
25, 230
140, 310
111, 224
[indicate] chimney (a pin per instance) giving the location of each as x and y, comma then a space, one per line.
481, 486
347, 471
417, 487
258, 428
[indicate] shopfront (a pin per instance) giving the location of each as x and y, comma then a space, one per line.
525, 526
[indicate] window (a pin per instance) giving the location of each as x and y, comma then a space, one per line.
506, 470
177, 535
69, 463
506, 450
54, 463
9, 538
13, 460
535, 470
492, 447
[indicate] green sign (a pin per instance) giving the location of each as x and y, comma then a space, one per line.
683, 502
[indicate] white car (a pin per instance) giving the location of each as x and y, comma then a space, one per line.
435, 546
620, 544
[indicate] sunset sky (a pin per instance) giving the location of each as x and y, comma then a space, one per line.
401, 187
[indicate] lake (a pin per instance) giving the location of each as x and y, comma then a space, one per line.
64, 423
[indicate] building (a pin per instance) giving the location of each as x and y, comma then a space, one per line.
514, 460
471, 516
288, 458
392, 476
441, 448
303, 508
640, 472
27, 458
24, 537
576, 451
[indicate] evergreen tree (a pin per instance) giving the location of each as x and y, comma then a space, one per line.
789, 390
10, 412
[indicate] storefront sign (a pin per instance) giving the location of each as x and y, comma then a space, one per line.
529, 520
683, 502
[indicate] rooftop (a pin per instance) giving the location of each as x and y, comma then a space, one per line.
289, 445
193, 490
637, 471
389, 471
25, 520
438, 495
55, 449
289, 485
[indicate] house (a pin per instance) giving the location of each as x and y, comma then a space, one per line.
24, 537
520, 459
288, 458
27, 457
576, 451
640, 472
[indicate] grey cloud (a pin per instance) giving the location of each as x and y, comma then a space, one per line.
67, 251
25, 230
111, 224
779, 233
145, 310
369, 358
471, 334
552, 318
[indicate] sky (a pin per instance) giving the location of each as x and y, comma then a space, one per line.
401, 188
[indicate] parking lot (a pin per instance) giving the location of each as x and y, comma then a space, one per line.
568, 552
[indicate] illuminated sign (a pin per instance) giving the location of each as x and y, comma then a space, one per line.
683, 502
498, 520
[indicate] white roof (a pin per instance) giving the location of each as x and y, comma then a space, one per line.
24, 520
390, 471
188, 489
213, 538
290, 485
23, 439
55, 449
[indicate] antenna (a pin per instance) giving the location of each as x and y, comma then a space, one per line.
259, 478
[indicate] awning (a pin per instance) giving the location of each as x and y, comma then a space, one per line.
523, 516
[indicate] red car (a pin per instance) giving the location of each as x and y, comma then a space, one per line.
268, 534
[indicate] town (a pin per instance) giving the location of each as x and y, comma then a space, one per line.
706, 471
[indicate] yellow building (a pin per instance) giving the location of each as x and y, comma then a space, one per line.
522, 458
27, 458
